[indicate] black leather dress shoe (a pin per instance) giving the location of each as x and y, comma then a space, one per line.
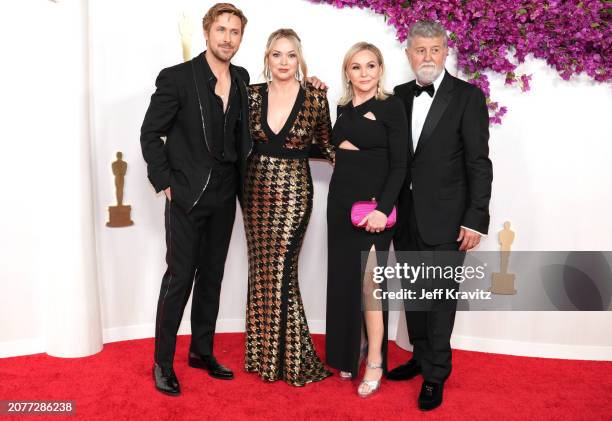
211, 365
166, 381
405, 371
430, 396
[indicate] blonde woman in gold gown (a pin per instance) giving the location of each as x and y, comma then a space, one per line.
289, 121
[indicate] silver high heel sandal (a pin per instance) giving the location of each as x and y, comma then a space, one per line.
373, 385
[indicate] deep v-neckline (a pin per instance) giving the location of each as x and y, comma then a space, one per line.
297, 104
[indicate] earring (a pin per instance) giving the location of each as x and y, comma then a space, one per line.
298, 75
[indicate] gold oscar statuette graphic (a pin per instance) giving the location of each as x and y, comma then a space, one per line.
186, 31
119, 216
503, 282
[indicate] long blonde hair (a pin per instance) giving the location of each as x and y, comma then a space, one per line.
292, 36
347, 88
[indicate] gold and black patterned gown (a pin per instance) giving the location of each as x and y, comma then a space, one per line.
277, 203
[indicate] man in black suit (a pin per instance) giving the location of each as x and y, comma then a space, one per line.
200, 107
444, 205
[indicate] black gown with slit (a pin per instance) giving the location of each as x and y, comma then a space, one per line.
377, 170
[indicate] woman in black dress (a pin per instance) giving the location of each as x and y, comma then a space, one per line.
371, 136
286, 117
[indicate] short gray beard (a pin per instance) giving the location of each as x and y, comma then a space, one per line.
426, 75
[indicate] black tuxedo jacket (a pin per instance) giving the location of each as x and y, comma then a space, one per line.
178, 112
450, 170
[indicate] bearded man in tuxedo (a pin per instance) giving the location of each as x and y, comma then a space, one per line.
444, 205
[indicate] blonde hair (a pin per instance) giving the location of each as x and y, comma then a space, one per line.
347, 89
217, 10
291, 35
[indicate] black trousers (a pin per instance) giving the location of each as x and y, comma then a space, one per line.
197, 243
430, 331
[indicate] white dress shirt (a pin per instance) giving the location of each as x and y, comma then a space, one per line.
420, 109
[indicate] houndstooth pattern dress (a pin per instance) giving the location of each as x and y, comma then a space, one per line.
277, 204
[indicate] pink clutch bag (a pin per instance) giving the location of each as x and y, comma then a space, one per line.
360, 209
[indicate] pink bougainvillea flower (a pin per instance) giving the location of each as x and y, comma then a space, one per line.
572, 36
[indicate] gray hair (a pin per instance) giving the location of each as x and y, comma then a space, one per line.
426, 29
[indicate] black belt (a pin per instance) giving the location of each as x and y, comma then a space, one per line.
274, 151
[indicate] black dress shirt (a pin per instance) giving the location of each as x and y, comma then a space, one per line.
224, 124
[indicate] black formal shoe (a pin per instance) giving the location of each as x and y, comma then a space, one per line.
210, 364
166, 381
430, 396
405, 371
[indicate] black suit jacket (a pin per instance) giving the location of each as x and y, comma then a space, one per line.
450, 170
178, 112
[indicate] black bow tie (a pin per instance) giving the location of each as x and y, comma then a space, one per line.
418, 90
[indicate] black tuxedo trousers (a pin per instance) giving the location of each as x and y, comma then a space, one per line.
197, 242
430, 331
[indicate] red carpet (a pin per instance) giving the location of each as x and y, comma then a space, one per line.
117, 384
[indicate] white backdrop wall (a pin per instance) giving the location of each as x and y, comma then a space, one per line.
49, 299
82, 75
